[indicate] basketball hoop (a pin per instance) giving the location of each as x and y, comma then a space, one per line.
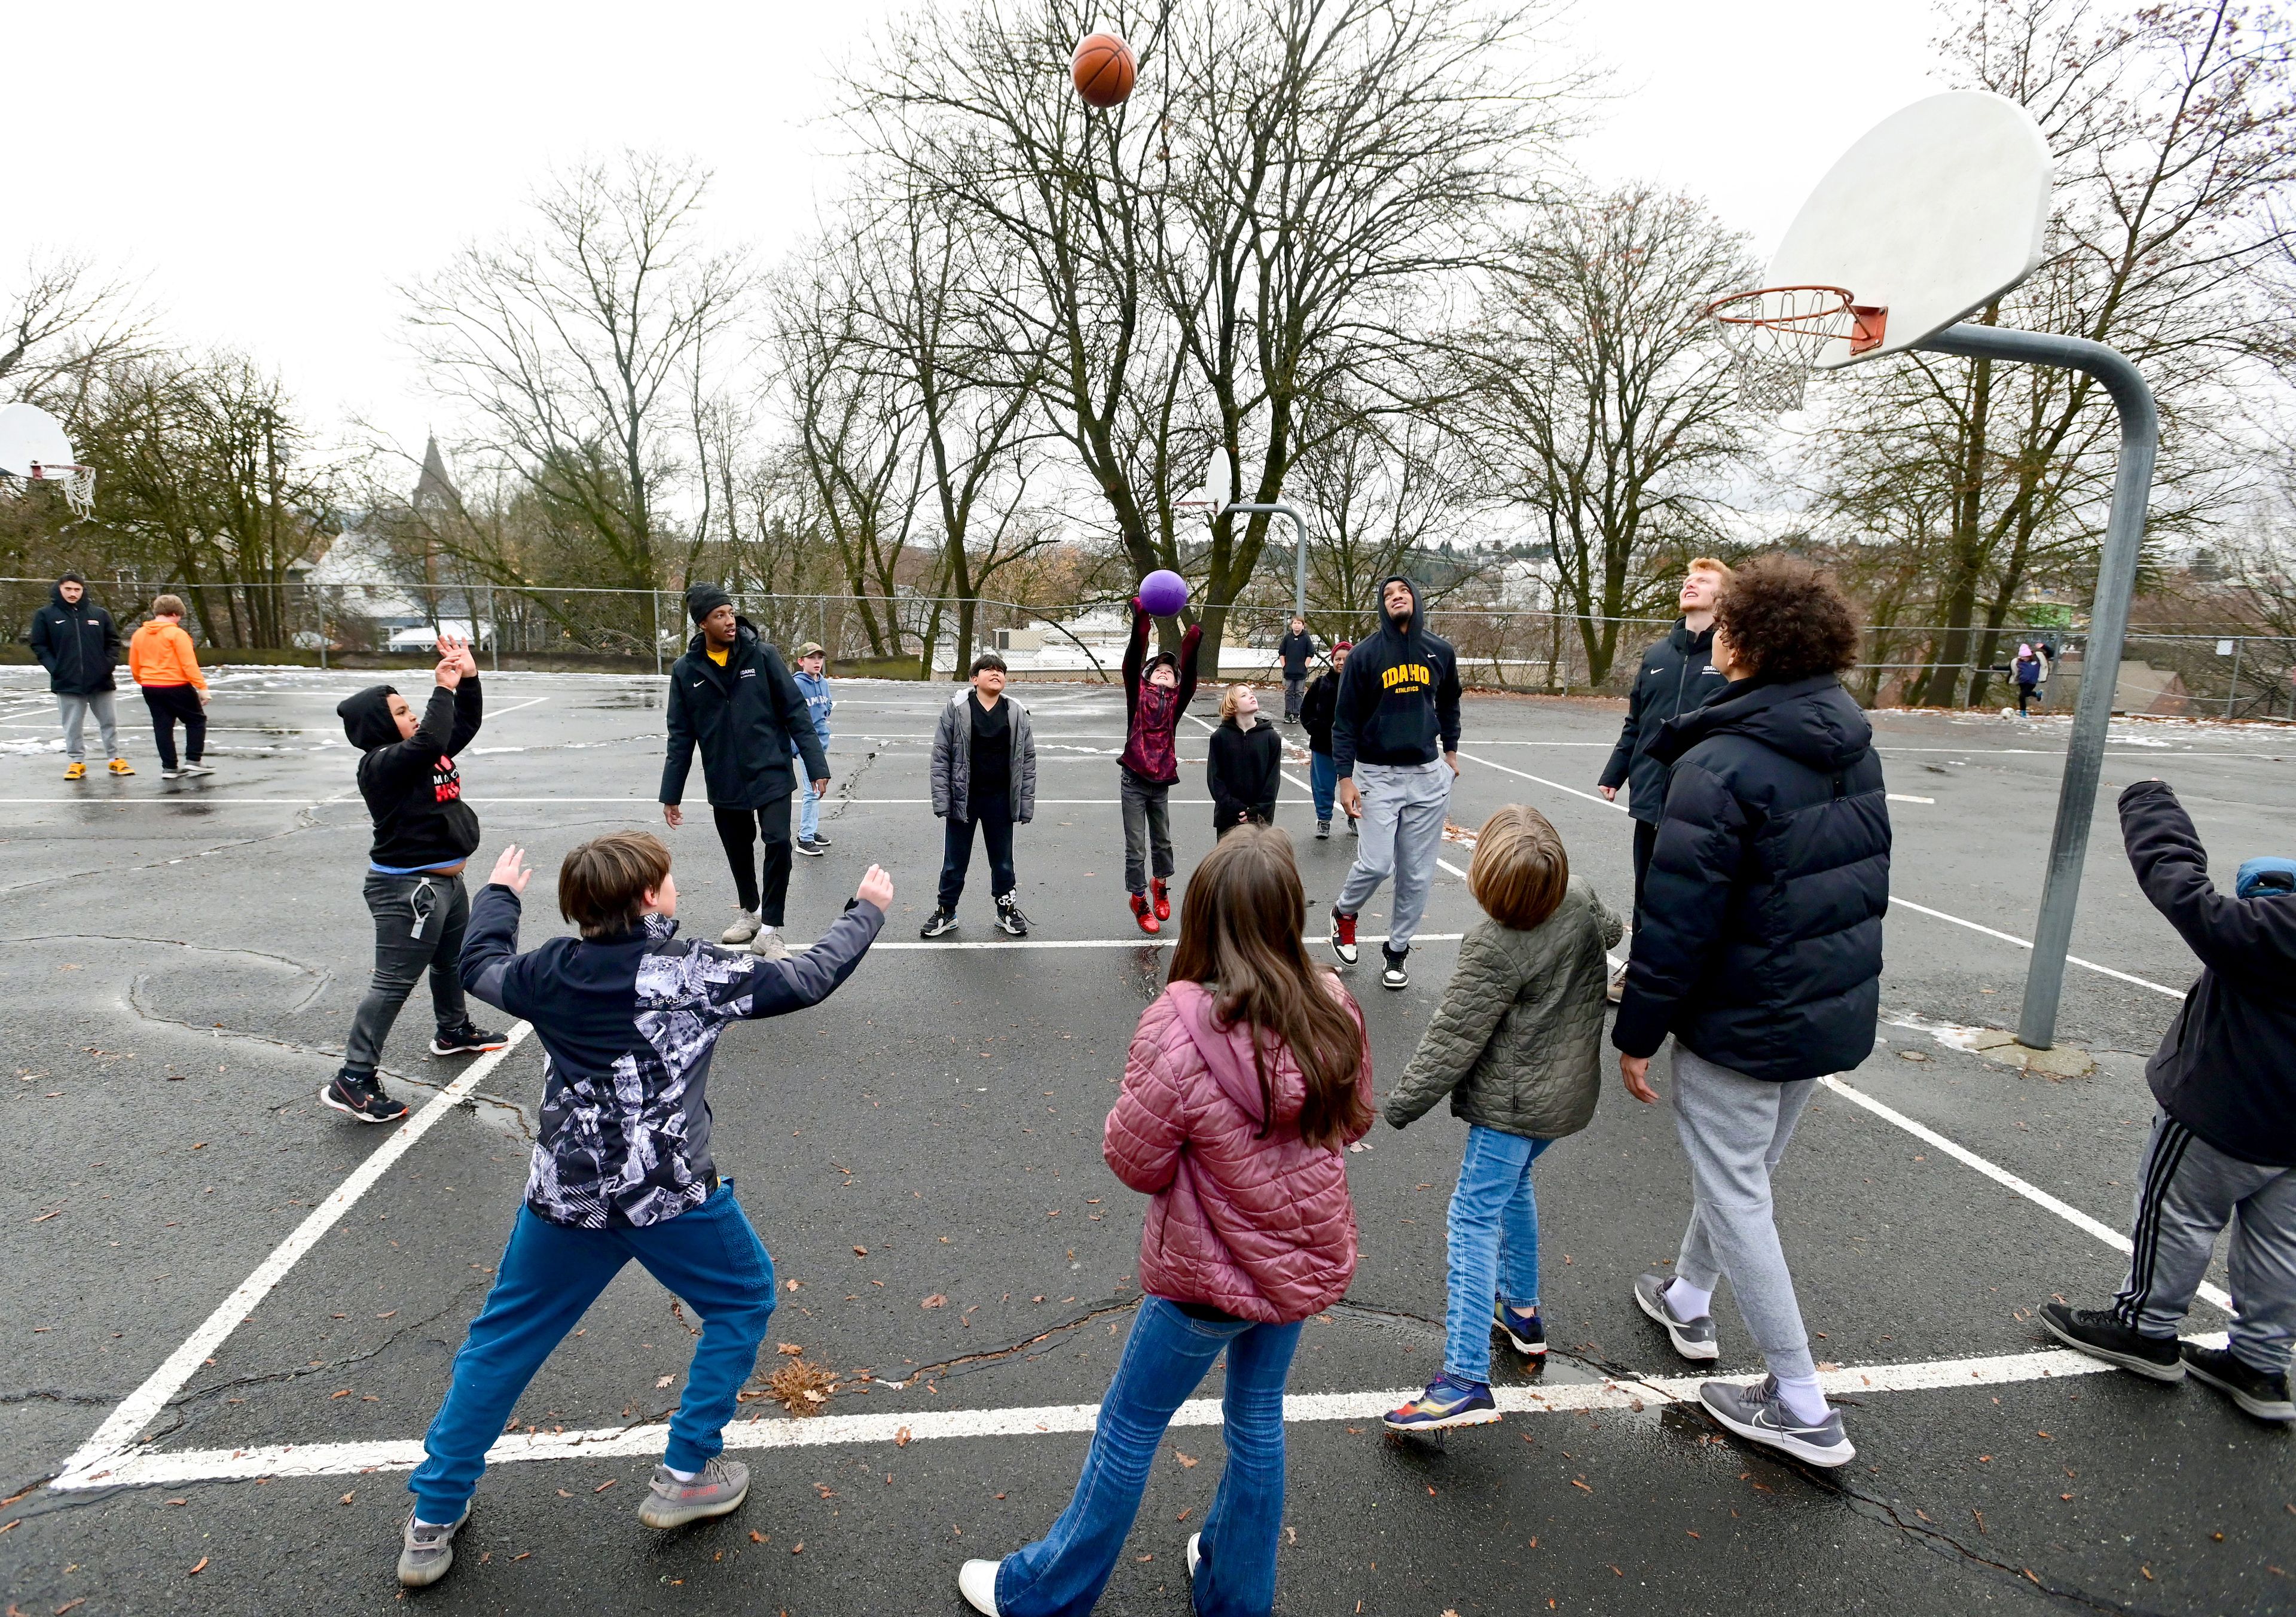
78, 484
34, 449
1777, 335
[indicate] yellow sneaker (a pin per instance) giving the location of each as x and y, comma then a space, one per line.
75, 771
120, 766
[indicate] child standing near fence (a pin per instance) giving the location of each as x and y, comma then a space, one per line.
165, 667
1517, 1044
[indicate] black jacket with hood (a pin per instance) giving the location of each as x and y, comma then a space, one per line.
76, 644
745, 718
413, 791
1760, 946
2226, 1069
1243, 771
1317, 707
1678, 674
1398, 696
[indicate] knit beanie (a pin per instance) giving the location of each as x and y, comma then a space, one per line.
702, 599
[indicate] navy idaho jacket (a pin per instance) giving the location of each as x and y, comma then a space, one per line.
1760, 942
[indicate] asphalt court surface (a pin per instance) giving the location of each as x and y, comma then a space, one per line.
181, 959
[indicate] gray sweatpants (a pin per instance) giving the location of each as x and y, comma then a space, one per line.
1733, 1131
75, 710
2186, 1191
1399, 834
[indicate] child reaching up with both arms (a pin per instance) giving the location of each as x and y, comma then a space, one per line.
1153, 702
1517, 1044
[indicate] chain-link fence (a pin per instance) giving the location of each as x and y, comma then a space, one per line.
2234, 675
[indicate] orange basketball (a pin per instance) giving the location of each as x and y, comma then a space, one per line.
1103, 70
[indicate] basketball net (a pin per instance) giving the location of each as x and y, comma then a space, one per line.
1777, 335
79, 485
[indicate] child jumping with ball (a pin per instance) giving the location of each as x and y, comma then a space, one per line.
1150, 763
1517, 1044
629, 1015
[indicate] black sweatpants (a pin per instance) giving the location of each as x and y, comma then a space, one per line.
740, 829
1646, 843
996, 822
168, 703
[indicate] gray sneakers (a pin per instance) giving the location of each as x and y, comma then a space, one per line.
717, 1489
744, 928
1694, 1338
769, 944
1756, 1412
426, 1552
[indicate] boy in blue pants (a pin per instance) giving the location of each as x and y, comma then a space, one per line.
813, 683
627, 1015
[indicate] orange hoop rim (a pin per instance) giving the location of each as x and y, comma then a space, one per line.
1848, 305
1864, 328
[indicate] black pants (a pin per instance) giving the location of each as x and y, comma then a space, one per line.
419, 921
996, 822
739, 829
2025, 694
168, 703
1645, 840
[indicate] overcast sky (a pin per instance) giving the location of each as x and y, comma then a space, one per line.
270, 174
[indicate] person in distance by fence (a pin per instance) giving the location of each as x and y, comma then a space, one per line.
732, 697
1761, 951
812, 677
1297, 648
2223, 1148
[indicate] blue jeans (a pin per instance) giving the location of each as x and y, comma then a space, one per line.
809, 819
1494, 1238
551, 1274
1324, 781
1063, 1572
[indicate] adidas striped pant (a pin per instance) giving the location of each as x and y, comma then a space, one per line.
2186, 1191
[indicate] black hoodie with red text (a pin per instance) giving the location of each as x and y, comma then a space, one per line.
413, 791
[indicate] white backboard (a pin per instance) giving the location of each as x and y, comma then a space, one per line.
1936, 212
29, 436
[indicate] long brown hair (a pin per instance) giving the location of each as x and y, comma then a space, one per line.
1240, 938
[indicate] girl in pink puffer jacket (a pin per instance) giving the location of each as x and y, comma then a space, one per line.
1246, 1080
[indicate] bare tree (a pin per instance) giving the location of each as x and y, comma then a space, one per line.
573, 346
1605, 404
57, 321
1383, 491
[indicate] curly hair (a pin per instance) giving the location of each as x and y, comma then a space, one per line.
1786, 620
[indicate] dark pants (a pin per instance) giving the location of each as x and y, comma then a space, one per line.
711, 1257
1147, 829
739, 829
168, 703
2025, 694
1295, 690
418, 923
1645, 840
996, 822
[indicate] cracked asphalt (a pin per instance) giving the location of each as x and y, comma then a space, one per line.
181, 959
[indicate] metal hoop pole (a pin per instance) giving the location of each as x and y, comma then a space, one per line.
2116, 583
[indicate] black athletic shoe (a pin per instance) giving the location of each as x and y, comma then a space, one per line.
469, 1039
1009, 918
2264, 1397
811, 847
360, 1095
938, 924
1392, 976
820, 840
2097, 1332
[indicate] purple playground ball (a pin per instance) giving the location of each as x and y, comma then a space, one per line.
1163, 592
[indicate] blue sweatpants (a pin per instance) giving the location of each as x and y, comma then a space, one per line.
551, 1274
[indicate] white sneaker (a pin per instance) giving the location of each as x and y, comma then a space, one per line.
768, 944
744, 928
1195, 1554
976, 1580
196, 768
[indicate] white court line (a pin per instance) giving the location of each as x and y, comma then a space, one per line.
120, 1428
929, 945
2104, 970
2072, 1215
151, 1469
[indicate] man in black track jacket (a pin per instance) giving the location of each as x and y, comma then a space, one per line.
1677, 674
731, 695
77, 642
2223, 1149
1398, 703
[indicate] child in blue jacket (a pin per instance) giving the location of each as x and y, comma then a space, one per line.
813, 681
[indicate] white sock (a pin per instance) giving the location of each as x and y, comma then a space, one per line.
687, 1476
419, 1521
766, 930
1685, 1302
1803, 1400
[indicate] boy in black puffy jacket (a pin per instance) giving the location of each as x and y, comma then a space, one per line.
423, 834
2223, 1149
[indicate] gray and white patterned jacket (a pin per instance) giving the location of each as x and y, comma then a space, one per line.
628, 1024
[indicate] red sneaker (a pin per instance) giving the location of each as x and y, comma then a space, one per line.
1163, 899
1144, 915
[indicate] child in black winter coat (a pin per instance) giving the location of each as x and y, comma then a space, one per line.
423, 834
1246, 765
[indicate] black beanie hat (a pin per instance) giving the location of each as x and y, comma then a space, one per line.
702, 599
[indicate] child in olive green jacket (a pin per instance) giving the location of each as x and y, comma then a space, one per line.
1517, 1044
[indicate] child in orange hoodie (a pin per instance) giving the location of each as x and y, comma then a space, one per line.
165, 665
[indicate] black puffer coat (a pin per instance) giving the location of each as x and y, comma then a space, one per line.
77, 644
1760, 942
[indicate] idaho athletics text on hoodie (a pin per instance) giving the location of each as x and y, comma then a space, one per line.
1383, 715
411, 788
